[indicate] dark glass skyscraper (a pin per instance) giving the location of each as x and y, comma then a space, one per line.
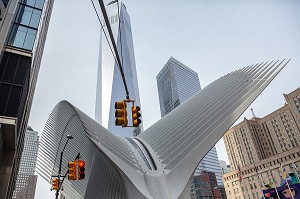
177, 83
23, 32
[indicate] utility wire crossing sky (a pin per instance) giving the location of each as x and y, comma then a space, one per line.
211, 37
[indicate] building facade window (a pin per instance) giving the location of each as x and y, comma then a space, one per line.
26, 23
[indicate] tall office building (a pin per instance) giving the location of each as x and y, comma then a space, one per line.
225, 167
110, 88
176, 83
260, 146
24, 26
259, 138
26, 180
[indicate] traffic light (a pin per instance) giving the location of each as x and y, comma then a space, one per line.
121, 114
81, 169
136, 116
55, 184
72, 170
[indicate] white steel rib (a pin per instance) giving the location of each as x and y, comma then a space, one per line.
158, 163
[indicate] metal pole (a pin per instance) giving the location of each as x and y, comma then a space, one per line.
104, 13
59, 169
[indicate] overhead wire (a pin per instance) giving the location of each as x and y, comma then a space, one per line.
104, 31
116, 57
120, 32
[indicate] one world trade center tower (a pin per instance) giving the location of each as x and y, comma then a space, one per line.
110, 88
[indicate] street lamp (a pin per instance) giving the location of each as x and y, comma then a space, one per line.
69, 137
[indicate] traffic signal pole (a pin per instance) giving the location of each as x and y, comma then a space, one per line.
64, 176
60, 163
59, 171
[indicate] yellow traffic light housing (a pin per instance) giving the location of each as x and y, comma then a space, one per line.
55, 184
81, 170
136, 116
121, 114
72, 175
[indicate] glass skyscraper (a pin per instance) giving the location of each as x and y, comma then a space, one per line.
23, 29
26, 180
176, 83
110, 88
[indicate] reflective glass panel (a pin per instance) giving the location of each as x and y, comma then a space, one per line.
35, 18
24, 15
29, 40
39, 4
14, 101
34, 3
4, 93
29, 2
28, 16
18, 36
22, 37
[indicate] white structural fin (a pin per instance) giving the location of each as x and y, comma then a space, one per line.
158, 163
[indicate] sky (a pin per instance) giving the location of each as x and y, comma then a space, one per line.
211, 37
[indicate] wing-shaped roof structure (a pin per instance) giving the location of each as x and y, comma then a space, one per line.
158, 163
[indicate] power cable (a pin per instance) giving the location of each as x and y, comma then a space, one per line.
120, 32
104, 31
102, 6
